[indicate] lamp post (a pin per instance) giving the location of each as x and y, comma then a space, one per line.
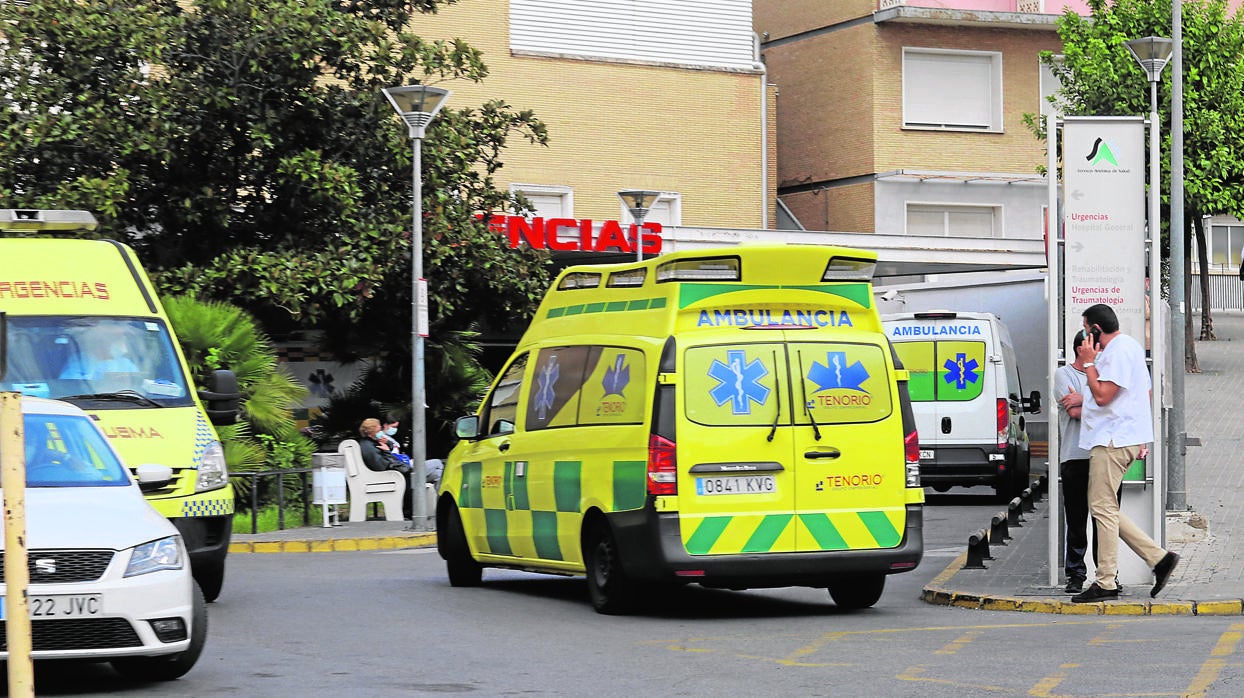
1152, 53
639, 202
417, 105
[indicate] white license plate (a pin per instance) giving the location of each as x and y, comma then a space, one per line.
740, 484
62, 606
926, 454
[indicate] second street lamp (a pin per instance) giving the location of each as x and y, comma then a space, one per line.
639, 202
417, 105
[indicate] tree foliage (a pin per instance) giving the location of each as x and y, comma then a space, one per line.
245, 150
1098, 76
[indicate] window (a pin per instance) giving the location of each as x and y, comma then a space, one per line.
549, 201
1225, 242
950, 220
666, 210
503, 403
1050, 85
585, 385
960, 90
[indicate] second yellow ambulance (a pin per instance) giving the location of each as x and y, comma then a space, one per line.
729, 417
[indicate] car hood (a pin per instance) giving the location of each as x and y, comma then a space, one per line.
90, 517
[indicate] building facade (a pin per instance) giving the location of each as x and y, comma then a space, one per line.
654, 95
907, 118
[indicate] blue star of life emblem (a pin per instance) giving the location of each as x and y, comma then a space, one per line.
738, 382
960, 371
617, 377
545, 379
835, 374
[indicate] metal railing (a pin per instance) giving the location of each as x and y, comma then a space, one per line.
1226, 292
280, 474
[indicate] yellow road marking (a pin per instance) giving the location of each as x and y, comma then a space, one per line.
1226, 646
914, 674
1043, 687
958, 643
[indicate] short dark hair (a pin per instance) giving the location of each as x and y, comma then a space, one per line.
1078, 340
1103, 316
390, 418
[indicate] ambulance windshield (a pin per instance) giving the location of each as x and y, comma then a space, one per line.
59, 357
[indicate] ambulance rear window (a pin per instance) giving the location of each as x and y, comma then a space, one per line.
579, 279
945, 371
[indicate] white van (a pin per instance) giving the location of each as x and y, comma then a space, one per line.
967, 397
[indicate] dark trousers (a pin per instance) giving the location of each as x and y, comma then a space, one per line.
408, 508
1074, 475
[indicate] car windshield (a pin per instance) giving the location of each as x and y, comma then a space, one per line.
69, 451
73, 357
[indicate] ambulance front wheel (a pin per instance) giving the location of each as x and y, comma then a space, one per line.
857, 591
611, 591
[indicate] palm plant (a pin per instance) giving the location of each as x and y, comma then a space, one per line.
217, 335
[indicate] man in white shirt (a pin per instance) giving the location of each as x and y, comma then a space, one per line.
1116, 427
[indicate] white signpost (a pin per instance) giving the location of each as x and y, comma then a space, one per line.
1104, 233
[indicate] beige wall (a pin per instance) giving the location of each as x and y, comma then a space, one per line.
783, 18
615, 125
1015, 150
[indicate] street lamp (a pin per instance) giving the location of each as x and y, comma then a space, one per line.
417, 105
639, 202
1152, 53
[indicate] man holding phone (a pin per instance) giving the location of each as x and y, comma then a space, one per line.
1116, 427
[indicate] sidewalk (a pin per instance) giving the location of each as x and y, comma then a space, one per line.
1210, 539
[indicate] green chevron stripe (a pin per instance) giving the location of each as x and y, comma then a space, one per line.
823, 531
544, 531
766, 534
882, 529
496, 530
706, 534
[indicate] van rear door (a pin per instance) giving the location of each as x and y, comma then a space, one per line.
848, 447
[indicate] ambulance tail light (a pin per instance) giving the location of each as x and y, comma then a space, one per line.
911, 454
1004, 422
662, 466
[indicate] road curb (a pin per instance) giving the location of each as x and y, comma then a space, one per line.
937, 594
417, 540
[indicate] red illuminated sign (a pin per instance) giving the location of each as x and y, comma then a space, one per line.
569, 234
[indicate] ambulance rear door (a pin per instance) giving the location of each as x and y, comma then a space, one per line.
848, 459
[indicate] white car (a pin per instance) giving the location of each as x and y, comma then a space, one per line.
109, 576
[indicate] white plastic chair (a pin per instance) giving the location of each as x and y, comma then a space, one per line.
367, 486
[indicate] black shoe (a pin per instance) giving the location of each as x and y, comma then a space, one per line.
1162, 572
1095, 593
1074, 586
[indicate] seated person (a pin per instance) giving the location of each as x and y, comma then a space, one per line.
378, 457
104, 351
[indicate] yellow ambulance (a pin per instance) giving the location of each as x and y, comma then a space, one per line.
731, 417
85, 326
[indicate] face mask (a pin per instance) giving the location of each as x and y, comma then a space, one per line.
391, 431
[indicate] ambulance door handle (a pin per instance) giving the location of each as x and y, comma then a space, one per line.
504, 446
832, 453
945, 425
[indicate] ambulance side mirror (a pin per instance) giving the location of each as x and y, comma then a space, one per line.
1032, 403
221, 397
467, 427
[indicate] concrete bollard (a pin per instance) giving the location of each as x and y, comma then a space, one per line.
999, 534
1014, 513
978, 551
1026, 500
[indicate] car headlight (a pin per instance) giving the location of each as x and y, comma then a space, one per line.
213, 474
163, 554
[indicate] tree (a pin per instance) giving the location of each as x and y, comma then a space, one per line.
244, 148
1099, 77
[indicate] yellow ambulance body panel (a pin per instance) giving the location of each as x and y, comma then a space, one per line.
85, 325
732, 417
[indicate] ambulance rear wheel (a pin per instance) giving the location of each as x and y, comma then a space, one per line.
857, 591
611, 591
463, 570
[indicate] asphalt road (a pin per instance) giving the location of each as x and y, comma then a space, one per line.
388, 624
